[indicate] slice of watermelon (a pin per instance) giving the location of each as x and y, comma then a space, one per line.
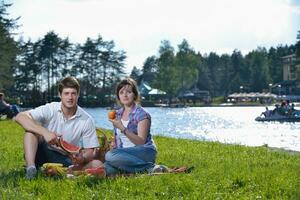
98, 171
68, 147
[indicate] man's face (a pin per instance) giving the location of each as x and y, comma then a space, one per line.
69, 97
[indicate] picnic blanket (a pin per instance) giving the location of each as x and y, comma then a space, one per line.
163, 169
57, 170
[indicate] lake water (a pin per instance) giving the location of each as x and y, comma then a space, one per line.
235, 125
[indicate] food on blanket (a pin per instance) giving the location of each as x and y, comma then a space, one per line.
112, 114
112, 143
77, 173
45, 165
53, 169
51, 172
68, 147
99, 171
102, 140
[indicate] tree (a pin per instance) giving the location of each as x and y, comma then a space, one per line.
187, 63
213, 67
136, 74
258, 63
50, 60
91, 66
275, 61
101, 65
298, 45
166, 79
240, 72
67, 56
203, 82
27, 73
149, 70
226, 73
113, 65
8, 48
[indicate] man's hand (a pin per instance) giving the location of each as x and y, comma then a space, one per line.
51, 138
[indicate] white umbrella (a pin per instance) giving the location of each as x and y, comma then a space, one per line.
156, 92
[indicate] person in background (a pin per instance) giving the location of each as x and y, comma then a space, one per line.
43, 125
282, 109
287, 105
133, 150
267, 113
275, 110
6, 108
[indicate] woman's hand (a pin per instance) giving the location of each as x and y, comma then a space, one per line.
77, 158
117, 124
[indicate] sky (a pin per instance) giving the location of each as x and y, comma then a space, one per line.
139, 26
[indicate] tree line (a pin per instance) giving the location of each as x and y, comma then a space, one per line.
30, 70
41, 64
176, 71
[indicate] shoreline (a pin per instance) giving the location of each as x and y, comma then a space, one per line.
180, 105
273, 149
289, 151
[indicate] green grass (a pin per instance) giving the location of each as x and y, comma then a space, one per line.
221, 172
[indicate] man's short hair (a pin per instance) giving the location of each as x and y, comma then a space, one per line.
1, 95
69, 82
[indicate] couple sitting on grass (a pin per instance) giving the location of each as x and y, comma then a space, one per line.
133, 150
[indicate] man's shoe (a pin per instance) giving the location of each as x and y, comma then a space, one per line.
31, 172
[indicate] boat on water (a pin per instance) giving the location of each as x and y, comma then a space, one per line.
270, 116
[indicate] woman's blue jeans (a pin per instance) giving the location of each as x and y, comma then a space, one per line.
129, 160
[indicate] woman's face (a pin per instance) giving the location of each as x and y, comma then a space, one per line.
126, 95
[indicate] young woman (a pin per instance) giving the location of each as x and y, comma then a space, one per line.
134, 150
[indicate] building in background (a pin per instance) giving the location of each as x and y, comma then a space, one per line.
289, 88
290, 68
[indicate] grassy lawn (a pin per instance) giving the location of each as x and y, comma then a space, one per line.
221, 172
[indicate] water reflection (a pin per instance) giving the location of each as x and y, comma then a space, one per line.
224, 124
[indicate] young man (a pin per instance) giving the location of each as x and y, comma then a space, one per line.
43, 125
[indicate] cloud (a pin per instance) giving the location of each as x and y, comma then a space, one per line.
138, 26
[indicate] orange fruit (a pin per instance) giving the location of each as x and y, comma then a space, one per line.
112, 114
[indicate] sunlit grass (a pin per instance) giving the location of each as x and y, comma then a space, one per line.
221, 172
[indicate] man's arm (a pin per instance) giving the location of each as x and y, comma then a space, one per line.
26, 121
5, 103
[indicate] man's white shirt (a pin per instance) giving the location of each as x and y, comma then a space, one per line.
78, 130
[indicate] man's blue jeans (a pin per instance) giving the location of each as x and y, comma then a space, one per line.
45, 155
129, 160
